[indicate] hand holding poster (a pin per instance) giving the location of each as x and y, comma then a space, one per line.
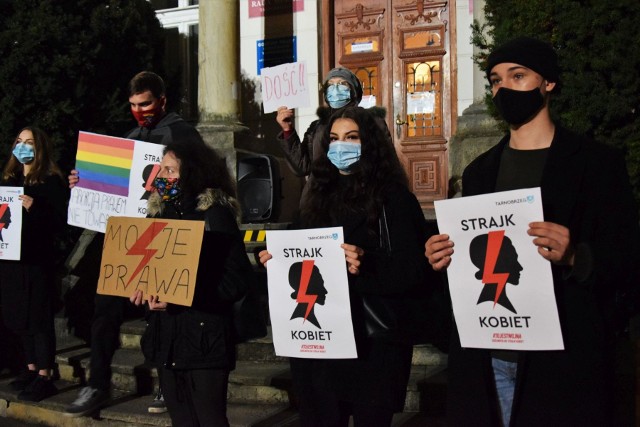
157, 256
501, 288
10, 222
115, 177
284, 85
309, 294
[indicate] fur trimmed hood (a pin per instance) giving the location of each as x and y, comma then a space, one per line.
208, 198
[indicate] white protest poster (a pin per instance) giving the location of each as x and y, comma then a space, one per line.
285, 85
115, 179
501, 288
309, 294
10, 222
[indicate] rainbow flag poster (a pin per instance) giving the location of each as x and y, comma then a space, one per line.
115, 179
104, 163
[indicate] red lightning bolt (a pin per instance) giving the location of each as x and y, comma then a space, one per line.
148, 186
494, 243
140, 246
3, 208
305, 276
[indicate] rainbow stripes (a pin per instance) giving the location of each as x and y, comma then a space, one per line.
104, 163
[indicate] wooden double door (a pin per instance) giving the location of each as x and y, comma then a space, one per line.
401, 52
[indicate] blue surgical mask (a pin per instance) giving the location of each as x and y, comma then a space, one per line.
338, 95
344, 154
23, 152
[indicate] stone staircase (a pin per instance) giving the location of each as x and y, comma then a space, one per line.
259, 389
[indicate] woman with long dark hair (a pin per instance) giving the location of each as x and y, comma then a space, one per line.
193, 347
27, 287
359, 184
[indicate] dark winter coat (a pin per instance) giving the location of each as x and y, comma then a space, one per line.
300, 154
27, 286
202, 336
585, 187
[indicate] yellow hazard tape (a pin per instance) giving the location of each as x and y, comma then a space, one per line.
255, 235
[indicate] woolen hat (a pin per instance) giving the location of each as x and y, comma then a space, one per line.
529, 52
349, 77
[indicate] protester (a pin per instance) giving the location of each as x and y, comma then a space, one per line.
27, 286
590, 236
193, 347
341, 89
358, 183
148, 101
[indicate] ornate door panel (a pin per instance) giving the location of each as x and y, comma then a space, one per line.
400, 50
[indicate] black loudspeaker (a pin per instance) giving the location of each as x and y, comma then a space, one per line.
259, 190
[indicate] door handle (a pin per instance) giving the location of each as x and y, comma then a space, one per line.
399, 123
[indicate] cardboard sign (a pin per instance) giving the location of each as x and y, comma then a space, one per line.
309, 294
157, 256
285, 85
501, 287
10, 222
116, 177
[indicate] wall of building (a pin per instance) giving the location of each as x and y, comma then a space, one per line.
303, 24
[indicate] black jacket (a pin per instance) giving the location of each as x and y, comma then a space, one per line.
585, 188
202, 336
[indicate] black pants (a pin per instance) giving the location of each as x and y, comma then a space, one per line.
320, 406
105, 337
28, 293
195, 398
40, 348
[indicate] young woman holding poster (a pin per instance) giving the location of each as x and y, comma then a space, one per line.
359, 184
193, 347
27, 288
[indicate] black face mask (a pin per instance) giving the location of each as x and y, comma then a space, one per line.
518, 106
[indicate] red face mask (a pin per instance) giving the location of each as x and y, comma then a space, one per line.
149, 118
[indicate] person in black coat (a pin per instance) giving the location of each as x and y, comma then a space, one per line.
147, 100
27, 286
358, 183
590, 236
193, 347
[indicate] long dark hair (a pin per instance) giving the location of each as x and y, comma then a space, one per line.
330, 196
200, 168
43, 164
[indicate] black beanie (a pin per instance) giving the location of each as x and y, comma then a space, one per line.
529, 52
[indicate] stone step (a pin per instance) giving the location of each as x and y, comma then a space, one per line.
125, 410
130, 410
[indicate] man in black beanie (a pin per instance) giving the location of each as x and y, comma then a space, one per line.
592, 248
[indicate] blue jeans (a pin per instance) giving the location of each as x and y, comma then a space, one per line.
504, 374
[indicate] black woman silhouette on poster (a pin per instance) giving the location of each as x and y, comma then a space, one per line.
497, 260
309, 290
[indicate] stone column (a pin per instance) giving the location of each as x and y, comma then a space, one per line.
477, 131
218, 78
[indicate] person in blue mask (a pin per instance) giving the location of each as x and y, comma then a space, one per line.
27, 286
341, 89
359, 183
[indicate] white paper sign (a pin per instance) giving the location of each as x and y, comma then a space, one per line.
115, 179
501, 288
285, 85
10, 222
309, 294
421, 102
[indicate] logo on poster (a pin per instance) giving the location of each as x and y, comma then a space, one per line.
497, 261
309, 290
